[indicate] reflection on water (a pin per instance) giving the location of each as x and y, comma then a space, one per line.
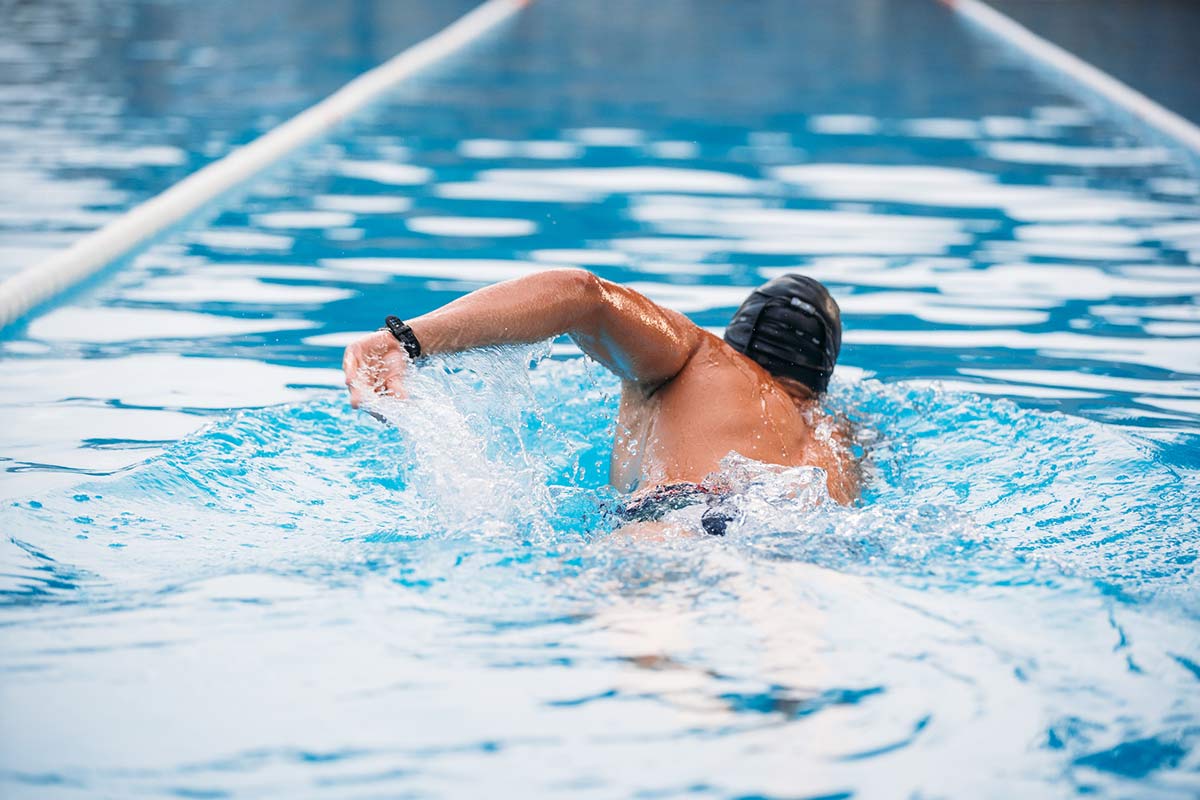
201, 529
103, 104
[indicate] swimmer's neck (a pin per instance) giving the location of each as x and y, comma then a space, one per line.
801, 395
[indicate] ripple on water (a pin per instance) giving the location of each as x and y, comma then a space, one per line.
959, 482
442, 595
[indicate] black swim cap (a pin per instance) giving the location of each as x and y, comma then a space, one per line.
792, 327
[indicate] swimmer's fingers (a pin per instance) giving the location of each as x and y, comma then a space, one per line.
372, 365
363, 376
395, 365
351, 367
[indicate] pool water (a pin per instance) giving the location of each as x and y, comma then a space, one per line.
105, 104
220, 581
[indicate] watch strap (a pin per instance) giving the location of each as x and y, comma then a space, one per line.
404, 335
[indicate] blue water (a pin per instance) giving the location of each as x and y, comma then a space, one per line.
219, 580
104, 104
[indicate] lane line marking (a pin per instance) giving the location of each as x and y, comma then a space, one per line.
1120, 94
54, 275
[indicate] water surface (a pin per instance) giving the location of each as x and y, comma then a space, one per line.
221, 581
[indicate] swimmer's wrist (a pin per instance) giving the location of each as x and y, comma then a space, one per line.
403, 333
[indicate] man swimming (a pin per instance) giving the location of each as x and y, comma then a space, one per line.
688, 398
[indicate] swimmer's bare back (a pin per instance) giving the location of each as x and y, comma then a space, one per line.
688, 399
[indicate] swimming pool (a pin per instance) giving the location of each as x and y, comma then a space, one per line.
221, 581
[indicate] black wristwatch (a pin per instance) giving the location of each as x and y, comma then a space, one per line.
404, 335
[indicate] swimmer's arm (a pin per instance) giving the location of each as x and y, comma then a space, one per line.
846, 479
640, 341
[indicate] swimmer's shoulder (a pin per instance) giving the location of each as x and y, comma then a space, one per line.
715, 361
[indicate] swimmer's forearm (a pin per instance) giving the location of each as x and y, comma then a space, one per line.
632, 336
525, 310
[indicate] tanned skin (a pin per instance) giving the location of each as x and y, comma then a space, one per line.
687, 398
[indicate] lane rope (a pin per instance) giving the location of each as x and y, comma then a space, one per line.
52, 276
1111, 89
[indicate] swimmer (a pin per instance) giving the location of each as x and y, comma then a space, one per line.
688, 398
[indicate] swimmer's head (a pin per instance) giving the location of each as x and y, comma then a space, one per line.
792, 327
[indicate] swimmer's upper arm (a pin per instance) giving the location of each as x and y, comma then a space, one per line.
845, 482
631, 335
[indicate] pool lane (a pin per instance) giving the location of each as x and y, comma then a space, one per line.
979, 227
219, 578
103, 105
1147, 44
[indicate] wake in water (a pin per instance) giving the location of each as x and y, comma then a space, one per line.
971, 565
961, 489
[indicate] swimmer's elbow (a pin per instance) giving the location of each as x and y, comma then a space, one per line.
587, 286
628, 333
587, 298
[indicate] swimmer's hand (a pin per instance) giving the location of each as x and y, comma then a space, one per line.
375, 364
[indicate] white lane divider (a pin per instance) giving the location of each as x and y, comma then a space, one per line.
1098, 81
54, 275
